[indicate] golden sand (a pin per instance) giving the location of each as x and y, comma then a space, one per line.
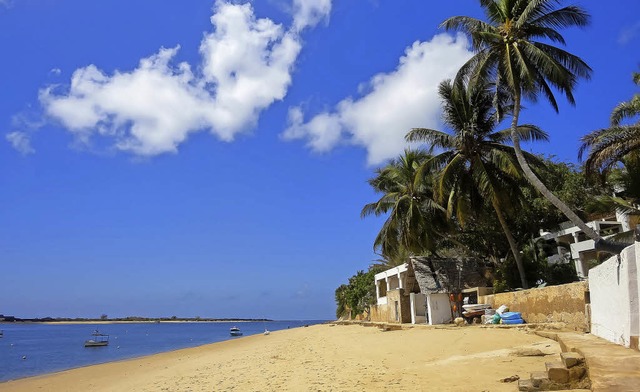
321, 358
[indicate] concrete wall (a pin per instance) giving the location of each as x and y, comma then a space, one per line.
439, 309
387, 312
418, 303
614, 292
563, 303
380, 313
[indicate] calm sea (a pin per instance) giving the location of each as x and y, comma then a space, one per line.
33, 349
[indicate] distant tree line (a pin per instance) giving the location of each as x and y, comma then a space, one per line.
128, 318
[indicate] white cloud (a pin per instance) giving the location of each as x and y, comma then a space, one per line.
21, 141
246, 66
628, 33
396, 102
308, 13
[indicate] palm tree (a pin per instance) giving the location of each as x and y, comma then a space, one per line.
607, 147
628, 109
510, 52
475, 166
414, 219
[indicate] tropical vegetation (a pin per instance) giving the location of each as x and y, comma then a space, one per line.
474, 165
470, 190
415, 220
610, 146
514, 49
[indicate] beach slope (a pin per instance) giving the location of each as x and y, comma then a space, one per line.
321, 358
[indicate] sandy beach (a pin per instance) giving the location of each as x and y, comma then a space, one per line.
321, 358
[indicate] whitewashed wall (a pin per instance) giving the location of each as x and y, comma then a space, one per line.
439, 309
615, 305
418, 308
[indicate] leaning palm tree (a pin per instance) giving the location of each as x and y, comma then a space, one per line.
514, 49
475, 166
610, 146
414, 219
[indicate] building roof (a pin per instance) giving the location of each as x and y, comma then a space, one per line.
447, 275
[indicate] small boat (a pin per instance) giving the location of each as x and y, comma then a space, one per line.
266, 331
235, 331
475, 307
1, 333
97, 340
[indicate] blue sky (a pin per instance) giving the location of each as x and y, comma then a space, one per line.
209, 158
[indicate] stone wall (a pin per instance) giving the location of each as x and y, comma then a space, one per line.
554, 304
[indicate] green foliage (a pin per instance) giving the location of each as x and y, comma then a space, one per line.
415, 220
341, 301
566, 181
534, 257
356, 298
475, 167
607, 147
515, 51
514, 48
560, 274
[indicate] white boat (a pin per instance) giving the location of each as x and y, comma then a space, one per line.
475, 307
97, 340
235, 331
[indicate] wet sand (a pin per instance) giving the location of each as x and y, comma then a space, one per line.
321, 358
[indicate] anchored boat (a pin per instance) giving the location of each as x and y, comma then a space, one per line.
97, 340
235, 331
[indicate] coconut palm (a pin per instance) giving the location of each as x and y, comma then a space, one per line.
608, 147
414, 219
628, 109
515, 49
475, 166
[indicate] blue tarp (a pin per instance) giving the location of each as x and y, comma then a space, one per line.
512, 318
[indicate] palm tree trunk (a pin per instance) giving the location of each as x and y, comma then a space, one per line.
539, 185
512, 244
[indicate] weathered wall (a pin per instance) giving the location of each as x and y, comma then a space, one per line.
387, 313
614, 298
405, 302
564, 303
380, 313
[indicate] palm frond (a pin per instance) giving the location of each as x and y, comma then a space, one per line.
434, 139
625, 110
571, 16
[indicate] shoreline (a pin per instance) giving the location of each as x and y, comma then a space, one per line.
320, 357
135, 321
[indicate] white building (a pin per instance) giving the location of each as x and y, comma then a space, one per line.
419, 292
574, 245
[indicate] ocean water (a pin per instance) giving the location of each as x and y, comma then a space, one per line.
34, 349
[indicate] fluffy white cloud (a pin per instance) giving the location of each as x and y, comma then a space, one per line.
309, 12
396, 102
21, 142
246, 66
